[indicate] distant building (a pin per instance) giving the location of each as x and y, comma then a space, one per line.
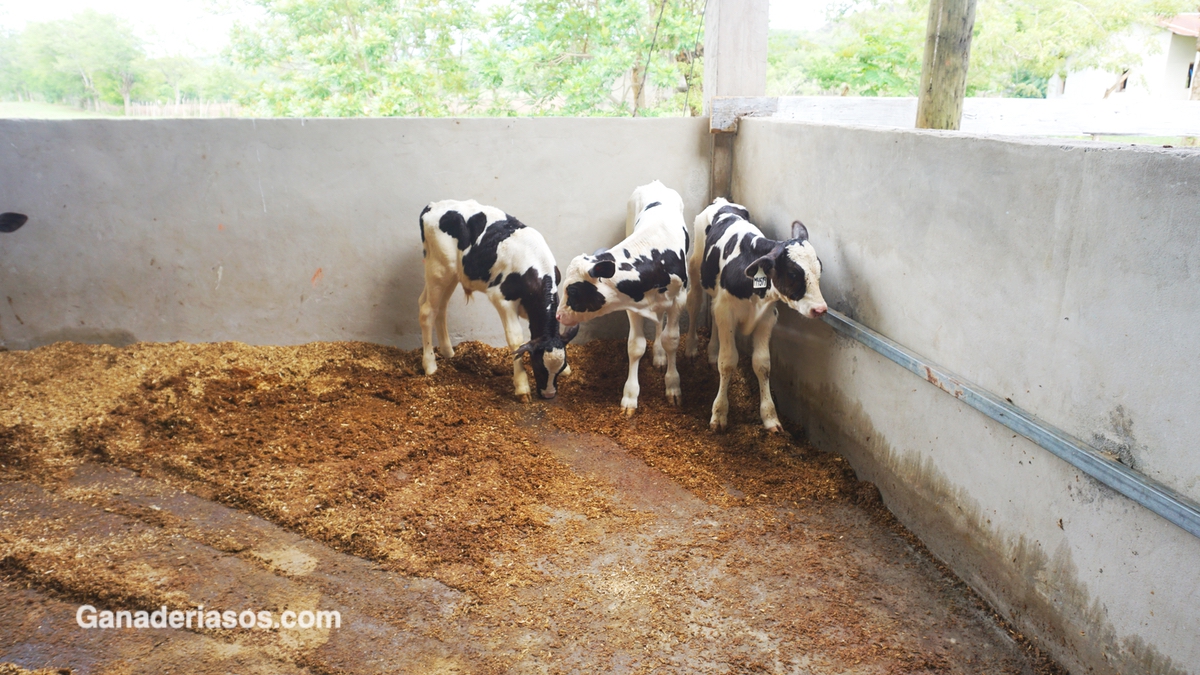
1165, 71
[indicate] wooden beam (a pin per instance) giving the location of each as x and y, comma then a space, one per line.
735, 48
735, 64
944, 70
727, 110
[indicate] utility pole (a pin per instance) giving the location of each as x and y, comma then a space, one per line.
944, 70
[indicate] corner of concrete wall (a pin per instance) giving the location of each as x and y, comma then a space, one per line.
1026, 266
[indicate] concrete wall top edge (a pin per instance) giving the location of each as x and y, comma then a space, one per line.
1063, 143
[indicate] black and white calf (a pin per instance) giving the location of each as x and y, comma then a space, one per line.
645, 275
745, 274
486, 250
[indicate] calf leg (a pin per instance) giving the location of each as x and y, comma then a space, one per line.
714, 343
443, 332
515, 337
762, 368
637, 347
695, 297
660, 352
425, 316
723, 330
434, 299
669, 339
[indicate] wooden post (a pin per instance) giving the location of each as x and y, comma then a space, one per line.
944, 70
735, 64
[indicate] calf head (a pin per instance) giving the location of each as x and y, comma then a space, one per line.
795, 273
548, 356
589, 291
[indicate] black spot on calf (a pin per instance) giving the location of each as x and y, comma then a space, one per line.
710, 267
583, 297
11, 222
421, 222
731, 209
478, 262
789, 278
654, 274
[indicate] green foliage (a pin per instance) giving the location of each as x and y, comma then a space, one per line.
875, 47
440, 57
359, 57
1020, 44
589, 57
95, 58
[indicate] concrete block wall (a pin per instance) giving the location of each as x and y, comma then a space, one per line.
1062, 275
289, 231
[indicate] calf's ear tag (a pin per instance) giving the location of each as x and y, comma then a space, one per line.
760, 279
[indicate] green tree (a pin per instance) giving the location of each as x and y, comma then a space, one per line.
98, 51
1020, 44
359, 57
588, 57
874, 47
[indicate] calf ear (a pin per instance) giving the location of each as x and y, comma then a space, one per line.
605, 269
799, 231
766, 263
527, 347
569, 334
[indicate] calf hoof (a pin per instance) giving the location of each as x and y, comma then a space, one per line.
776, 429
629, 410
718, 426
660, 360
525, 398
565, 371
430, 367
447, 352
675, 398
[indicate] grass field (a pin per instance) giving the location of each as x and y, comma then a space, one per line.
44, 111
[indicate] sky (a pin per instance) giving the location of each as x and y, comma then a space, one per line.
201, 27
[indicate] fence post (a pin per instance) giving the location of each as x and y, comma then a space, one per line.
735, 64
944, 69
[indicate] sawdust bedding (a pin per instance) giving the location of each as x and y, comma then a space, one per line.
441, 477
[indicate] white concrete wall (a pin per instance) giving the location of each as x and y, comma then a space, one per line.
1065, 276
287, 231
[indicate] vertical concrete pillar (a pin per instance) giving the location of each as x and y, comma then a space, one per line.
735, 64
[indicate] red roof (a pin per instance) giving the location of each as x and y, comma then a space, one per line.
1184, 24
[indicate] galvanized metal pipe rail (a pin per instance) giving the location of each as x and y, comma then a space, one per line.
1159, 498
